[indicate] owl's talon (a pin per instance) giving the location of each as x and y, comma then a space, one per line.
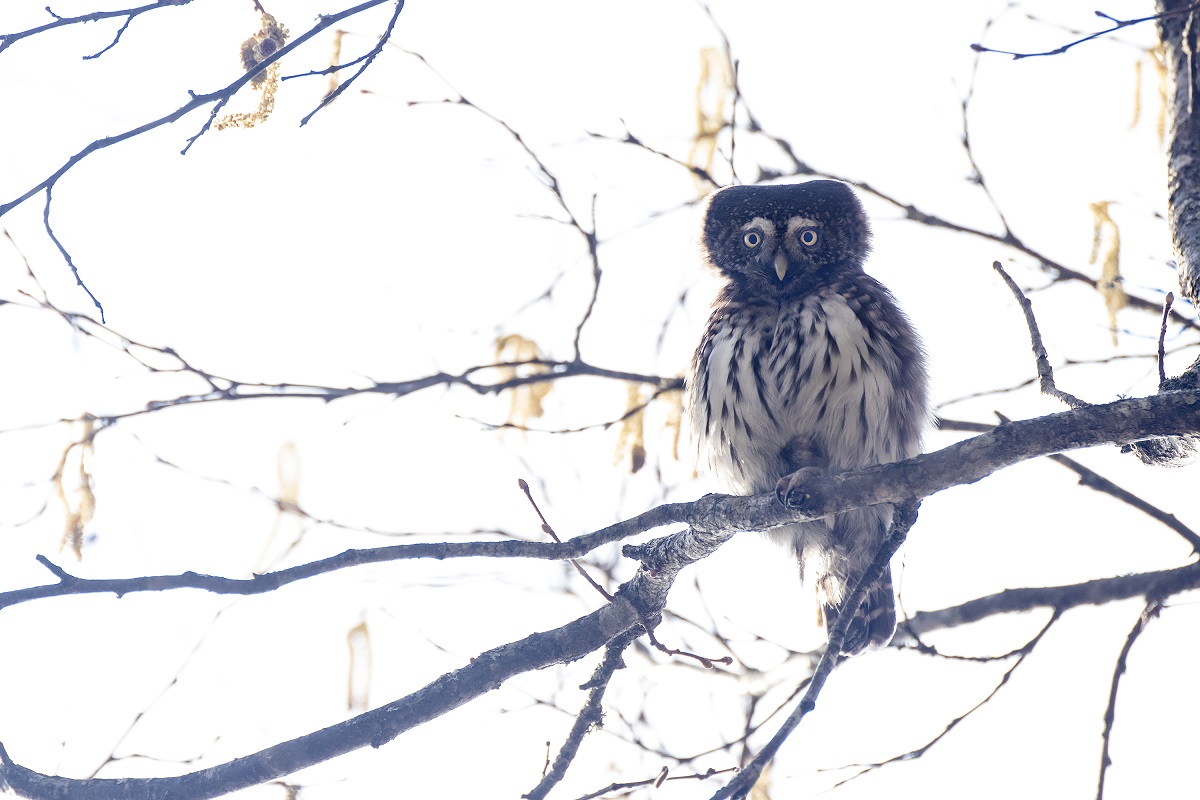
790, 489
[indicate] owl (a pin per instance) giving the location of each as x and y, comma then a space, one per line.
807, 364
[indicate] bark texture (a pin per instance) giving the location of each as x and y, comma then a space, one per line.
1178, 33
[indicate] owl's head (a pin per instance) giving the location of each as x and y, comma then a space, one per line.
787, 237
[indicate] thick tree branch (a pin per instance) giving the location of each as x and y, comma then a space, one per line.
965, 462
713, 519
375, 728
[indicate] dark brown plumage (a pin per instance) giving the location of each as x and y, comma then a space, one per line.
807, 363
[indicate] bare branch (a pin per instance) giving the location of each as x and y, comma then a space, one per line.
902, 521
259, 584
593, 243
1044, 370
1059, 271
66, 256
704, 661
714, 518
1117, 24
549, 531
916, 753
1162, 336
1161, 584
221, 388
549, 179
589, 717
977, 174
1152, 609
374, 728
629, 138
365, 59
218, 98
9, 39
657, 781
1093, 480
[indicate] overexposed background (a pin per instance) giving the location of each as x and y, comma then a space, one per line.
385, 241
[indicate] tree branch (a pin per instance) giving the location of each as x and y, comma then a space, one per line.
1162, 584
714, 518
743, 783
589, 717
1117, 24
1152, 609
9, 39
375, 728
1044, 370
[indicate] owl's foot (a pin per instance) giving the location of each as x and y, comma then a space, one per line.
790, 489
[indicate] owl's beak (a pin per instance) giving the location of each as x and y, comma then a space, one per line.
781, 264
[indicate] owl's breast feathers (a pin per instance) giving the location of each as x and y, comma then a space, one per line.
836, 375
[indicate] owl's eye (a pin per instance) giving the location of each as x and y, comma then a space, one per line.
752, 239
809, 237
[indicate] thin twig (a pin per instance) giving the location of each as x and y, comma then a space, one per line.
549, 531
219, 388
704, 661
195, 101
916, 753
1065, 364
1060, 272
1094, 480
1118, 24
1168, 301
1044, 370
366, 62
977, 173
592, 243
629, 138
655, 782
9, 39
589, 718
45, 299
1153, 607
659, 391
737, 92
115, 41
67, 256
549, 179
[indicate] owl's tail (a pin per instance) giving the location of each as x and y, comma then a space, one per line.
875, 621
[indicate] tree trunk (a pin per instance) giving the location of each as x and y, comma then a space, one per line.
1178, 33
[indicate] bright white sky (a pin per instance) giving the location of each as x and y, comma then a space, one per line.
384, 241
